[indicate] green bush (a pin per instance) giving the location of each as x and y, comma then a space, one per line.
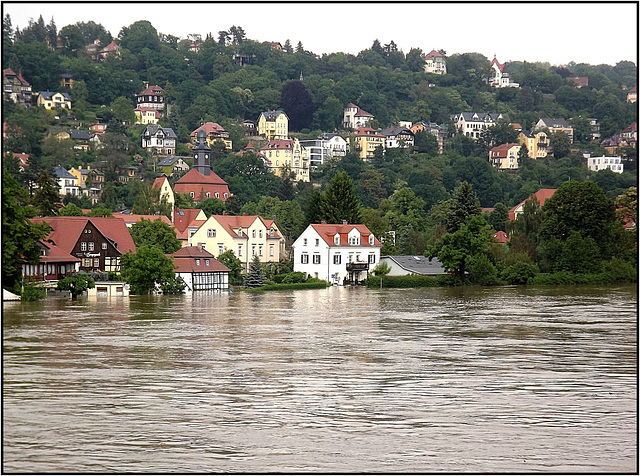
483, 272
520, 272
620, 271
293, 277
31, 292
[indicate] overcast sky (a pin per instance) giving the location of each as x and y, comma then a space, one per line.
557, 33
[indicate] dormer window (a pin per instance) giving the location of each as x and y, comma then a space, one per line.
336, 239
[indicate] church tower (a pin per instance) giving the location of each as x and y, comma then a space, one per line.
202, 154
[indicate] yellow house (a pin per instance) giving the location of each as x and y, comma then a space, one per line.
215, 132
87, 177
166, 192
273, 125
536, 143
287, 153
246, 236
367, 140
505, 156
54, 100
146, 115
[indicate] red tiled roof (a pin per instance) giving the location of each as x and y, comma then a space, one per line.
233, 222
195, 177
208, 127
184, 217
131, 218
433, 54
152, 90
495, 61
541, 195
278, 144
185, 260
328, 231
66, 231
367, 132
502, 150
56, 255
501, 237
110, 48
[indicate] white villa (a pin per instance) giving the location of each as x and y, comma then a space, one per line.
339, 254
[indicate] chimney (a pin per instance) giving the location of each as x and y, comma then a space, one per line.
344, 222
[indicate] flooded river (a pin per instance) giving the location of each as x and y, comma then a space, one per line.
337, 380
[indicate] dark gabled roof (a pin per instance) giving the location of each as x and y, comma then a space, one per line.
273, 115
49, 95
418, 264
168, 161
61, 172
79, 135
152, 130
554, 122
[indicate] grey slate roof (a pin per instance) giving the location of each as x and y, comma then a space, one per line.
418, 264
49, 94
168, 161
79, 135
62, 173
554, 122
482, 116
152, 130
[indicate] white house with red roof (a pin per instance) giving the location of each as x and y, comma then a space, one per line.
498, 77
200, 270
339, 254
109, 50
435, 63
541, 196
354, 117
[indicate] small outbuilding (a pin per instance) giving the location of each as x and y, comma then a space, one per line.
407, 265
200, 270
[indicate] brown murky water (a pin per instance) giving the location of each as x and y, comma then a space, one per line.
337, 380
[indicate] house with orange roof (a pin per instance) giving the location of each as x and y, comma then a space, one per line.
354, 117
215, 132
186, 222
112, 49
131, 219
435, 63
338, 253
200, 270
287, 153
200, 187
54, 264
98, 242
505, 156
246, 235
541, 196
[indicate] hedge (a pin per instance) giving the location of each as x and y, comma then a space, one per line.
412, 281
282, 287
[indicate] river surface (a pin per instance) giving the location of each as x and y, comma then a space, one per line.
507, 379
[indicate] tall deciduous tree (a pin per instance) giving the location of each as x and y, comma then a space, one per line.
340, 201
19, 235
155, 233
457, 250
147, 267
